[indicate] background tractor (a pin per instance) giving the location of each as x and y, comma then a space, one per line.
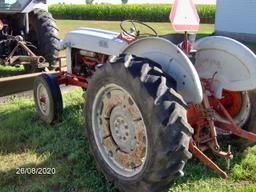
153, 101
28, 34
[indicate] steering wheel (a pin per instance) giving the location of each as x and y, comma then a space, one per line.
137, 32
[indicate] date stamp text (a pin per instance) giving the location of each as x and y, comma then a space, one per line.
35, 171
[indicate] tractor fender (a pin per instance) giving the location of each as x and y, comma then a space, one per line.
231, 63
174, 62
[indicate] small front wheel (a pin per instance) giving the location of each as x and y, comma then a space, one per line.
48, 99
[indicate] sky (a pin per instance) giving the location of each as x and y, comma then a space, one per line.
130, 1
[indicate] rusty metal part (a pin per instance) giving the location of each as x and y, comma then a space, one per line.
210, 120
227, 155
201, 118
206, 136
232, 101
22, 59
238, 132
31, 58
119, 130
71, 79
43, 99
232, 125
205, 160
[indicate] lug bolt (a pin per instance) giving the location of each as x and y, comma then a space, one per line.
133, 166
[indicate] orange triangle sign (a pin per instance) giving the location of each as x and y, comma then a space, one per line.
184, 16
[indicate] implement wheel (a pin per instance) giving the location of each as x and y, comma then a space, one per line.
137, 125
48, 99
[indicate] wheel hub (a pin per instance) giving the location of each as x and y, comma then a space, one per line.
122, 129
119, 130
232, 101
43, 99
238, 106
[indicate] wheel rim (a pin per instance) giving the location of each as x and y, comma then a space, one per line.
232, 101
119, 130
43, 99
238, 105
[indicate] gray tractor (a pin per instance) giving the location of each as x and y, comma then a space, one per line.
151, 101
28, 34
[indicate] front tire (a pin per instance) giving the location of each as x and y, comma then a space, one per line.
137, 125
48, 99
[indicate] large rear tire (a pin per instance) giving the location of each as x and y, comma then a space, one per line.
250, 124
137, 125
44, 35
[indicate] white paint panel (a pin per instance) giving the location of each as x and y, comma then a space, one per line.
232, 64
174, 62
237, 16
96, 40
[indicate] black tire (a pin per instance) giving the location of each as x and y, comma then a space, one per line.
250, 125
164, 113
29, 68
55, 99
44, 35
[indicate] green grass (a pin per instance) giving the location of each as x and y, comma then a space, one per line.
161, 28
25, 141
252, 46
146, 12
6, 71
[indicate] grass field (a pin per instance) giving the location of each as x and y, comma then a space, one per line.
161, 28
27, 142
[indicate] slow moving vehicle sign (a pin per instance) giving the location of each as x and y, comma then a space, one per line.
184, 16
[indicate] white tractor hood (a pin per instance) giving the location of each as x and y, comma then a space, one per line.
95, 40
